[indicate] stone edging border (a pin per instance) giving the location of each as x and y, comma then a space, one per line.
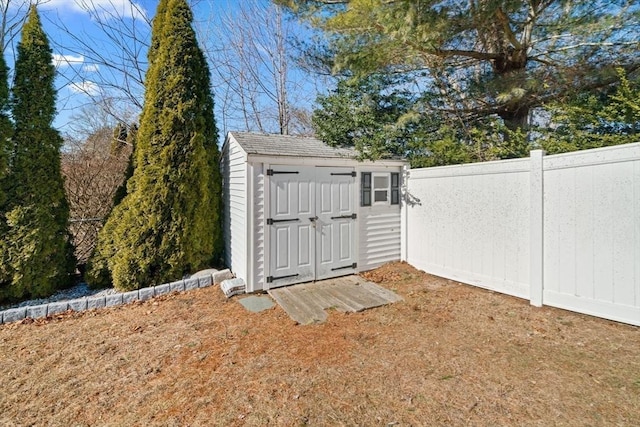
88, 303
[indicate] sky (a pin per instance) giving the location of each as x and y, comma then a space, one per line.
87, 40
69, 25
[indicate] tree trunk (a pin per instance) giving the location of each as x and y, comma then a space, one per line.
515, 119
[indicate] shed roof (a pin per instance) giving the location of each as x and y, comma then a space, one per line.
290, 146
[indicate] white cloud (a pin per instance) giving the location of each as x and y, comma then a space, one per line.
66, 60
91, 68
85, 87
103, 9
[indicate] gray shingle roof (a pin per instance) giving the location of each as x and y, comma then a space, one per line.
291, 146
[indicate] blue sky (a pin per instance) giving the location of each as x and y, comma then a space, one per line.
67, 22
86, 43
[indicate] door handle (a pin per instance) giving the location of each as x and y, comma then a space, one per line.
313, 218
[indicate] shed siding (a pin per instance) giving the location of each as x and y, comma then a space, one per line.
236, 212
379, 234
258, 256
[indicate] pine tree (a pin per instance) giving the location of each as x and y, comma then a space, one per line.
36, 253
168, 224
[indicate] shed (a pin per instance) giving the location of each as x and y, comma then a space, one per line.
297, 210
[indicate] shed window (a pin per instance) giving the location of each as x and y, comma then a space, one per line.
380, 188
385, 188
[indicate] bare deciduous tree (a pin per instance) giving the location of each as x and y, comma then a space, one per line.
94, 167
113, 55
255, 81
257, 84
14, 14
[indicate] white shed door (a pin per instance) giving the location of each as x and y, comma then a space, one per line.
311, 224
336, 223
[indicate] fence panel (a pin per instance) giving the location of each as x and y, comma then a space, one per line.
592, 232
482, 224
470, 223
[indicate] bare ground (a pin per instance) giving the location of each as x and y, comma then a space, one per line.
450, 354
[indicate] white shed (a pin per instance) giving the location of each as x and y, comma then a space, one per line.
297, 210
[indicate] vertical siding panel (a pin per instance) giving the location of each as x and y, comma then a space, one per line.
474, 246
433, 206
258, 227
444, 233
499, 223
551, 240
623, 230
485, 231
235, 195
516, 244
472, 249
521, 250
453, 254
584, 232
603, 239
566, 212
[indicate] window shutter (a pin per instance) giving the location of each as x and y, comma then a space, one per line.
365, 190
395, 188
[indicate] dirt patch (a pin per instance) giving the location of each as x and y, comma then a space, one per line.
450, 354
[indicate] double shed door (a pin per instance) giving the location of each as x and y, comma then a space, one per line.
311, 223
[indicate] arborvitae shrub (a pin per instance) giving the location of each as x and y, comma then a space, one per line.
168, 224
36, 251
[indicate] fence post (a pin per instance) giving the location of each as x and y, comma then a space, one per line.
404, 215
536, 228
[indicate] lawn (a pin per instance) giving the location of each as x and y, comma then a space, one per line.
449, 354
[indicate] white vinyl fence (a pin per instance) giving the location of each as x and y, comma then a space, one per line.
560, 230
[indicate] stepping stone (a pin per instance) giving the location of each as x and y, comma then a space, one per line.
256, 304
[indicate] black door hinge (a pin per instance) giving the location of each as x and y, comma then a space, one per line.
270, 279
271, 172
271, 221
354, 265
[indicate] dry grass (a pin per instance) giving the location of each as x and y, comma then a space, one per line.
450, 354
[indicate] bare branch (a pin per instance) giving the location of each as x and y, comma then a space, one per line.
483, 56
504, 21
250, 55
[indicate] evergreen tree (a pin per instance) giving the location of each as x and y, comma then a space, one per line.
6, 129
168, 224
593, 120
474, 60
379, 116
36, 252
370, 114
